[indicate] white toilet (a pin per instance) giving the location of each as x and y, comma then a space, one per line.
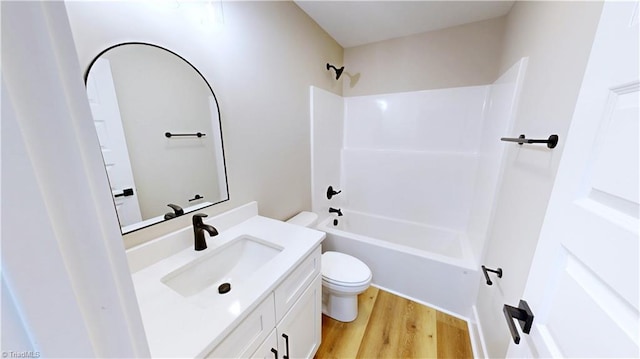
343, 278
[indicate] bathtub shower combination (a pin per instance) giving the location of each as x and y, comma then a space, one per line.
418, 173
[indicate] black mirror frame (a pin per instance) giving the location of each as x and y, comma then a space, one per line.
224, 160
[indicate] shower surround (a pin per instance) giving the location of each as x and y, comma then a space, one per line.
418, 172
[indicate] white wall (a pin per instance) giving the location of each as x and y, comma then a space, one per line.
260, 63
63, 261
464, 55
327, 124
412, 155
557, 38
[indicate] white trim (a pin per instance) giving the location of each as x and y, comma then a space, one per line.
475, 331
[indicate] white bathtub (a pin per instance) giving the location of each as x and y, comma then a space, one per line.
430, 265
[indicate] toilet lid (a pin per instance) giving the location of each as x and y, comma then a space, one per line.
342, 268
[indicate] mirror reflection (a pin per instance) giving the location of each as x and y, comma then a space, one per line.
158, 124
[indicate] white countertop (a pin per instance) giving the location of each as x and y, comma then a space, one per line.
191, 327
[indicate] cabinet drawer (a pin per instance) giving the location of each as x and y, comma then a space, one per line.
249, 334
294, 285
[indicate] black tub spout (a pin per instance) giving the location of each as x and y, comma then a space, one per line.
334, 210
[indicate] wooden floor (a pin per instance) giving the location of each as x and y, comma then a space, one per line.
389, 326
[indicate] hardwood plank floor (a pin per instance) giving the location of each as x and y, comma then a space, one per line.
389, 326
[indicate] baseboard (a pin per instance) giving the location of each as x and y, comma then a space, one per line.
476, 335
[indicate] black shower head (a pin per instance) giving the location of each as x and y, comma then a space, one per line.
338, 70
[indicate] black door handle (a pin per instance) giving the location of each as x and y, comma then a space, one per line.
275, 353
523, 314
125, 193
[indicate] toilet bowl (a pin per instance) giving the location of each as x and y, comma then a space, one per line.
343, 278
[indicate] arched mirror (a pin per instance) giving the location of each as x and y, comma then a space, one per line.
158, 124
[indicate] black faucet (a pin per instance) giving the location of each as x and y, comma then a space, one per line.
333, 210
177, 211
331, 192
198, 231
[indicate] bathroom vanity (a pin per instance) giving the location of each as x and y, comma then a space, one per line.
273, 306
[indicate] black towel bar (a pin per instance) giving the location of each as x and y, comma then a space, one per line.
196, 197
197, 134
551, 142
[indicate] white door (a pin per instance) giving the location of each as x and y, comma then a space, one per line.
583, 283
106, 115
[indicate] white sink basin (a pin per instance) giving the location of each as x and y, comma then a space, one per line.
232, 263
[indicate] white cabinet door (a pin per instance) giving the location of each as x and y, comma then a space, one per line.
583, 283
247, 336
268, 349
296, 283
299, 332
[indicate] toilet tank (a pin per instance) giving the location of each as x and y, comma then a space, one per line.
305, 219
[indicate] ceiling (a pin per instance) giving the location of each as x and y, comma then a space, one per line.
354, 23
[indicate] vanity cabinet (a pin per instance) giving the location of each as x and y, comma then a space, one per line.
298, 335
247, 335
287, 324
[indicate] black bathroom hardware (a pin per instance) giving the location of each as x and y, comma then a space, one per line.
335, 222
286, 341
524, 315
199, 228
197, 134
551, 142
196, 197
224, 288
177, 211
486, 275
275, 353
331, 192
125, 192
338, 70
334, 210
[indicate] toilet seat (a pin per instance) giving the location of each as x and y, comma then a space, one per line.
346, 284
344, 270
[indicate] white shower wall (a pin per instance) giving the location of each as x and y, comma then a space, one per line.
430, 157
443, 120
500, 110
412, 155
